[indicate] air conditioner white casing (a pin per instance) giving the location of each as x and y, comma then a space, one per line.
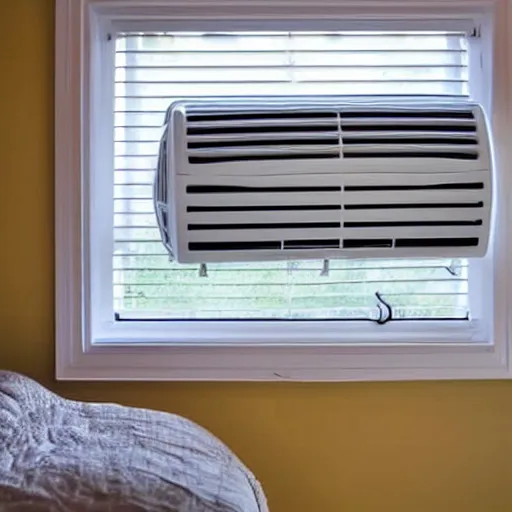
309, 178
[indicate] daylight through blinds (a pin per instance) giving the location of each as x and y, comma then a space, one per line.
153, 69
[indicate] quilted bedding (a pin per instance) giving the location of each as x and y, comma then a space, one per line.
63, 455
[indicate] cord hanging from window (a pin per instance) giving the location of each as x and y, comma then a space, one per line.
453, 268
385, 310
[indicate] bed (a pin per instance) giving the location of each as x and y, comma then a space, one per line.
63, 455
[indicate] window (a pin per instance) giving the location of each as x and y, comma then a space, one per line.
128, 312
154, 68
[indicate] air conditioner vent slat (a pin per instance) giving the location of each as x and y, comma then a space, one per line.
368, 243
263, 208
311, 244
262, 122
261, 144
310, 225
419, 136
454, 155
225, 189
437, 242
384, 243
392, 126
264, 198
406, 206
424, 141
262, 136
418, 223
439, 213
234, 246
260, 129
269, 225
436, 186
257, 128
233, 154
375, 112
259, 116
338, 215
407, 121
268, 234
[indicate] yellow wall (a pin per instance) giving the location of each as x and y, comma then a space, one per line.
410, 447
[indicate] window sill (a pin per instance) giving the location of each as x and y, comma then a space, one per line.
279, 352
273, 352
122, 361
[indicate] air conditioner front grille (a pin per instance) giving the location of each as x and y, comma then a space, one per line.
368, 212
241, 136
232, 136
409, 134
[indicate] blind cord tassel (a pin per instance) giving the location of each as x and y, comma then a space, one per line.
325, 269
203, 270
453, 269
385, 310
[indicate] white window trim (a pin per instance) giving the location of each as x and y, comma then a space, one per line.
145, 352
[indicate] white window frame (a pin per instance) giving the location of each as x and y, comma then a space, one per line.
90, 347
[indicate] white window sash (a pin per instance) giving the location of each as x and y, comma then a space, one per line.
91, 345
131, 78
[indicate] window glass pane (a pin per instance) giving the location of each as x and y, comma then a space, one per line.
153, 69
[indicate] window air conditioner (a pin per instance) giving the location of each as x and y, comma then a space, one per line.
271, 179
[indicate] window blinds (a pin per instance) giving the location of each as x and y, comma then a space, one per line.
153, 69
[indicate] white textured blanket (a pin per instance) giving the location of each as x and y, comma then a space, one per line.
62, 455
